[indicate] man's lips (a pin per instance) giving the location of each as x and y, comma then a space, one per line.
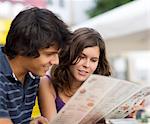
46, 68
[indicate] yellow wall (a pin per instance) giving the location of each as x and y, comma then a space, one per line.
4, 27
36, 111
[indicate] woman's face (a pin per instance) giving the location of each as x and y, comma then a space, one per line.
86, 65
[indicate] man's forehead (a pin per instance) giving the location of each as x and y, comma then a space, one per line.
50, 49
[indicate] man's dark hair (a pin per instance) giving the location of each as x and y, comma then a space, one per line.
35, 29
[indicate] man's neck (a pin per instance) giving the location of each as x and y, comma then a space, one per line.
18, 68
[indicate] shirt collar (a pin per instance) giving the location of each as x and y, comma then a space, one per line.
32, 76
4, 64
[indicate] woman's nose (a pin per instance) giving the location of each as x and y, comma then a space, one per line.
86, 63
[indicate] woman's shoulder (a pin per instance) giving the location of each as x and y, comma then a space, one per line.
46, 80
46, 83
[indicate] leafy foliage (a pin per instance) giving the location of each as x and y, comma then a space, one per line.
105, 5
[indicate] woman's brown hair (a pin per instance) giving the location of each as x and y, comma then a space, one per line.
81, 39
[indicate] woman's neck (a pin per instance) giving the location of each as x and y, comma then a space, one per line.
68, 93
75, 86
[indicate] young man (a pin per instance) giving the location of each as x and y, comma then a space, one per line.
32, 45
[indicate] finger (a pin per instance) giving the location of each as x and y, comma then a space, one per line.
42, 120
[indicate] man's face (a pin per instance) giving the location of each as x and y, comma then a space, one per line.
40, 65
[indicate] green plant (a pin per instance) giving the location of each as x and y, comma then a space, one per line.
104, 6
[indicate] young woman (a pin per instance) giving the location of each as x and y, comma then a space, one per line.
86, 55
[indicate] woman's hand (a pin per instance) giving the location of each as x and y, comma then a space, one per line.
136, 108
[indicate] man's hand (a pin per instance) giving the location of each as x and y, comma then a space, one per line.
39, 120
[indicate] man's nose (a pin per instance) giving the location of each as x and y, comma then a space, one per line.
54, 60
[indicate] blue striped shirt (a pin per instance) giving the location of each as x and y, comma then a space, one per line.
16, 100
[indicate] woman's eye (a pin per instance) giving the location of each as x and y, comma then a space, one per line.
94, 60
82, 57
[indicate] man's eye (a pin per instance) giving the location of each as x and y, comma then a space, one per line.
49, 54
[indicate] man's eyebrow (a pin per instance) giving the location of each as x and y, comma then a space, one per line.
51, 52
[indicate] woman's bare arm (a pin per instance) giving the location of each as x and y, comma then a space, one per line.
46, 99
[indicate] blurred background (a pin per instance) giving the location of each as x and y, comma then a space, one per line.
124, 25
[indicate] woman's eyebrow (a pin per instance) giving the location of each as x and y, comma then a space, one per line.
83, 54
95, 57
